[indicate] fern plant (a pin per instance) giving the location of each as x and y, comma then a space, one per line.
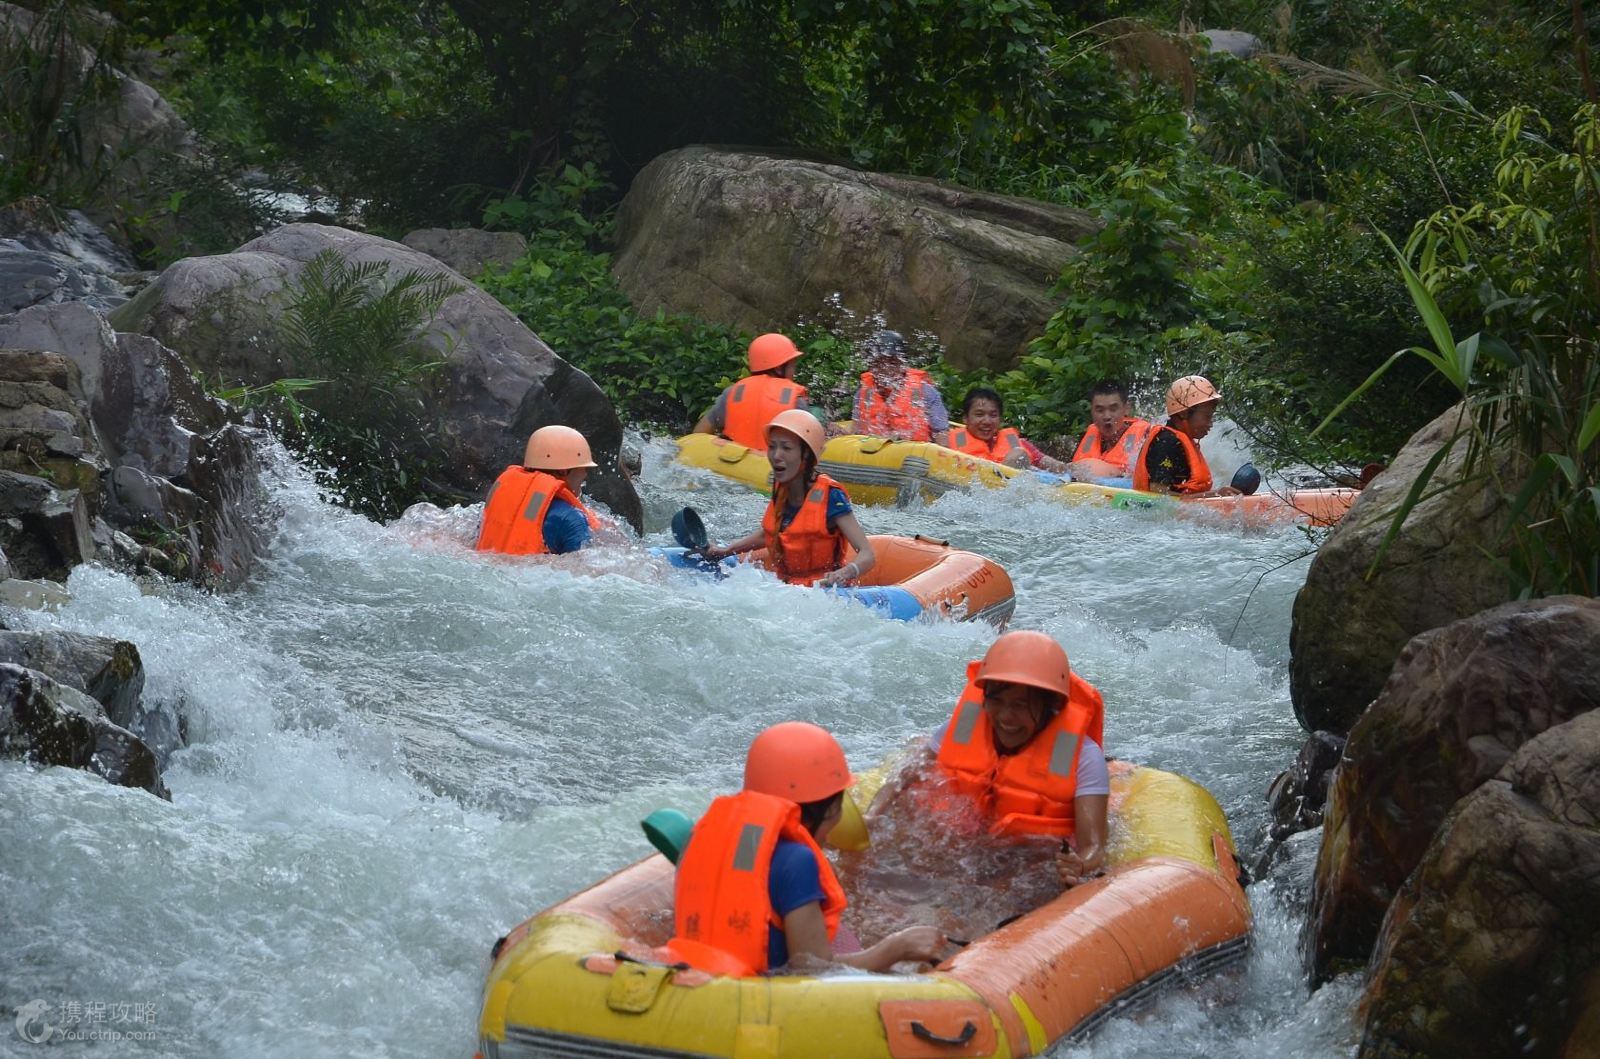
359, 343
346, 323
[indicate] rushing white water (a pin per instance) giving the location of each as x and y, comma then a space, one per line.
399, 749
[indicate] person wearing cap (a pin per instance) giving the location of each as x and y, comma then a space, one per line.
1114, 437
809, 521
1171, 461
754, 891
1025, 745
533, 508
742, 411
897, 401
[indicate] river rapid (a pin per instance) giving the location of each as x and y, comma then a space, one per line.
398, 749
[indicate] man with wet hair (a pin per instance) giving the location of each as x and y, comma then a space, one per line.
895, 400
1114, 436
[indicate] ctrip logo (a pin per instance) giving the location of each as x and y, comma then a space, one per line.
31, 1025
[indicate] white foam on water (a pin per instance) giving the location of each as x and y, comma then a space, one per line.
400, 748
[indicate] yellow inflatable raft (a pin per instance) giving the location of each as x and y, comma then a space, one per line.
581, 978
881, 471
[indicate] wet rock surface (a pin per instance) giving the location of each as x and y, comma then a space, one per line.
1348, 628
1492, 946
46, 723
94, 424
1461, 701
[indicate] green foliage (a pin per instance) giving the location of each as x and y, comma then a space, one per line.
50, 103
360, 341
660, 370
1528, 261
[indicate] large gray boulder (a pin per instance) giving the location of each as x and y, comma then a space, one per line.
1348, 629
760, 241
47, 723
468, 250
165, 461
499, 383
1492, 947
1461, 701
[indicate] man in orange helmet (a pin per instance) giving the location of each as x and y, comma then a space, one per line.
754, 891
1171, 461
533, 509
1025, 743
742, 411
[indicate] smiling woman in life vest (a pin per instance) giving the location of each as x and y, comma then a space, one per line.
980, 434
533, 509
742, 411
754, 891
809, 521
1025, 744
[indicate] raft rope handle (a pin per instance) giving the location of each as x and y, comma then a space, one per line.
968, 1031
622, 957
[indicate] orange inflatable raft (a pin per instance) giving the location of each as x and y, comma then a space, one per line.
584, 978
914, 577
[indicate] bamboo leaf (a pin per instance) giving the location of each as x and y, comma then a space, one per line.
1591, 428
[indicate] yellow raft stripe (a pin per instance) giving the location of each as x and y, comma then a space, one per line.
1038, 1039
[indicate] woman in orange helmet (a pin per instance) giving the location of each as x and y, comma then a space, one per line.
809, 521
533, 509
754, 891
1025, 743
742, 411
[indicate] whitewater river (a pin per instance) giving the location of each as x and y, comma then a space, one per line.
399, 749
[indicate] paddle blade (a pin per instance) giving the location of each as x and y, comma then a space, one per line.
689, 531
1247, 479
669, 831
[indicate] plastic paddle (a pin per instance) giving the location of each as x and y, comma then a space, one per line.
1247, 479
689, 531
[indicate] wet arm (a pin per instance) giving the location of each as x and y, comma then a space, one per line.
1088, 854
864, 560
750, 543
806, 933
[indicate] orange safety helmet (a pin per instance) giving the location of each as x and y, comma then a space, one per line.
1027, 657
803, 425
797, 761
556, 448
771, 350
1189, 391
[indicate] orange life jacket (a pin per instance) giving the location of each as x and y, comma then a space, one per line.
1029, 792
1004, 444
721, 906
1199, 480
807, 549
901, 415
1124, 452
513, 516
752, 402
